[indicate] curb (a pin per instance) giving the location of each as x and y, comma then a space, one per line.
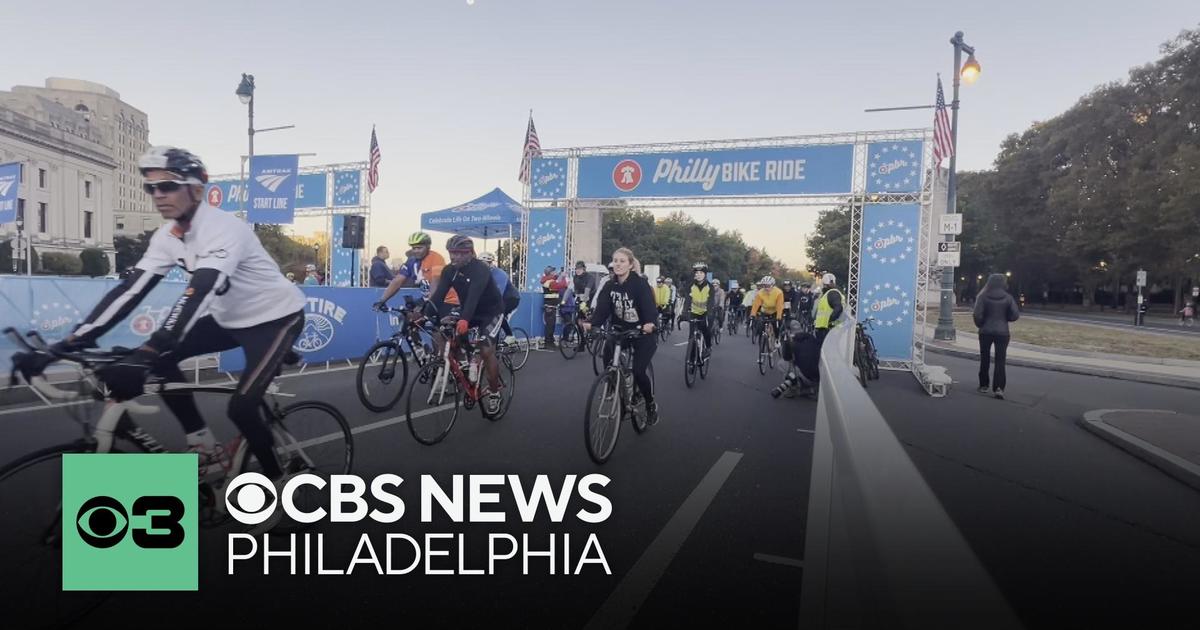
1137, 377
1172, 464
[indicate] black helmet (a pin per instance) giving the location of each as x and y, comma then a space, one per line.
460, 243
176, 160
580, 265
700, 267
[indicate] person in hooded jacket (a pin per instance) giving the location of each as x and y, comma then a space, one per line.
994, 309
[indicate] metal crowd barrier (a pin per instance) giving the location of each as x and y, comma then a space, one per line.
880, 550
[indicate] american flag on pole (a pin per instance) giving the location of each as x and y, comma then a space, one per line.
376, 156
943, 143
533, 149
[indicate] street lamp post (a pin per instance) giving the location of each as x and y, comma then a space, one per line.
17, 249
245, 92
968, 71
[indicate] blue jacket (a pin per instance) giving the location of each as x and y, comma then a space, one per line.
381, 275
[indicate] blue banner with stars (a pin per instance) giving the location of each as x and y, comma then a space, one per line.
887, 281
894, 167
549, 179
547, 244
343, 267
347, 189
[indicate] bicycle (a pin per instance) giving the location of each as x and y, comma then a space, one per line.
866, 358
572, 340
664, 332
733, 321
310, 436
455, 379
613, 397
516, 350
696, 360
716, 325
595, 342
768, 347
389, 356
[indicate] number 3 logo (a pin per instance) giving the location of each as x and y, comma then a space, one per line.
102, 522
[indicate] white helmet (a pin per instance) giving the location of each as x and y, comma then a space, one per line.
488, 257
767, 280
828, 279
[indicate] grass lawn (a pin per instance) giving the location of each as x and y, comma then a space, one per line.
1093, 338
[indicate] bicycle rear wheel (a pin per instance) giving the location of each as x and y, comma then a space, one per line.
31, 543
637, 415
518, 349
872, 359
568, 345
382, 376
602, 417
433, 402
597, 350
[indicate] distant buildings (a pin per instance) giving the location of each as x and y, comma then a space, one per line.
78, 144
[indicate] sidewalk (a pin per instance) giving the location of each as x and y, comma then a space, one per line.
1165, 439
1172, 372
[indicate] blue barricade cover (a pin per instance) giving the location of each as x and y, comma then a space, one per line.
339, 322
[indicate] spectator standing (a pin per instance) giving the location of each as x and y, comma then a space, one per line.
994, 309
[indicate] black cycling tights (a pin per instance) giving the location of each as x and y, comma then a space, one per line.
265, 346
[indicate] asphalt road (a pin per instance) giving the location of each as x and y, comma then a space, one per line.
1152, 325
709, 506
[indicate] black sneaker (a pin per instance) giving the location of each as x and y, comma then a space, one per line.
652, 413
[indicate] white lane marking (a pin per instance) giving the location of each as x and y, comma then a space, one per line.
629, 595
371, 427
787, 562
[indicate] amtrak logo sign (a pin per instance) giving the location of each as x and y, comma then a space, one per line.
888, 303
55, 320
889, 242
894, 167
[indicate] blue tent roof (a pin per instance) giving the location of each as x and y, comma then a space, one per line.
490, 216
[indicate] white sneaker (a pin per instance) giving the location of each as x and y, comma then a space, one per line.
492, 402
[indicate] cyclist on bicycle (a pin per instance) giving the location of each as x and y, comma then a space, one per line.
829, 307
804, 305
508, 291
789, 299
236, 298
482, 307
662, 297
699, 304
733, 301
718, 303
627, 302
672, 302
769, 300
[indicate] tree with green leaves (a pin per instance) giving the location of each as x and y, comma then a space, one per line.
93, 262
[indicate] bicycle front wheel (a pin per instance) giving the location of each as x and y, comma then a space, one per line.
31, 544
602, 418
568, 345
433, 402
690, 361
597, 350
762, 354
518, 349
382, 376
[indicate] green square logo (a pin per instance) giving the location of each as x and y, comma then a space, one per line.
129, 522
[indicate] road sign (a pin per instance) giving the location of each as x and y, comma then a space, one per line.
950, 224
1141, 277
948, 259
949, 247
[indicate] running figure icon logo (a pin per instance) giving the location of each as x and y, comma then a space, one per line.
627, 175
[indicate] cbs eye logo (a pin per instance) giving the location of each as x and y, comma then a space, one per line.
102, 522
250, 498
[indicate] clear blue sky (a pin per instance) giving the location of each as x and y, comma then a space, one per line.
450, 85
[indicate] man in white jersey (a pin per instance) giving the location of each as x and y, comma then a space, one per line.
236, 298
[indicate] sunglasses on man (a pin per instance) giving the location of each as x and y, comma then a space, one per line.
164, 186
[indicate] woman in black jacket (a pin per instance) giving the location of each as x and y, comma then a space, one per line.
994, 309
627, 301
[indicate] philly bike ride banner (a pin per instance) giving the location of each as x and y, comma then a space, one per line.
343, 266
887, 281
547, 244
805, 170
229, 194
10, 175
